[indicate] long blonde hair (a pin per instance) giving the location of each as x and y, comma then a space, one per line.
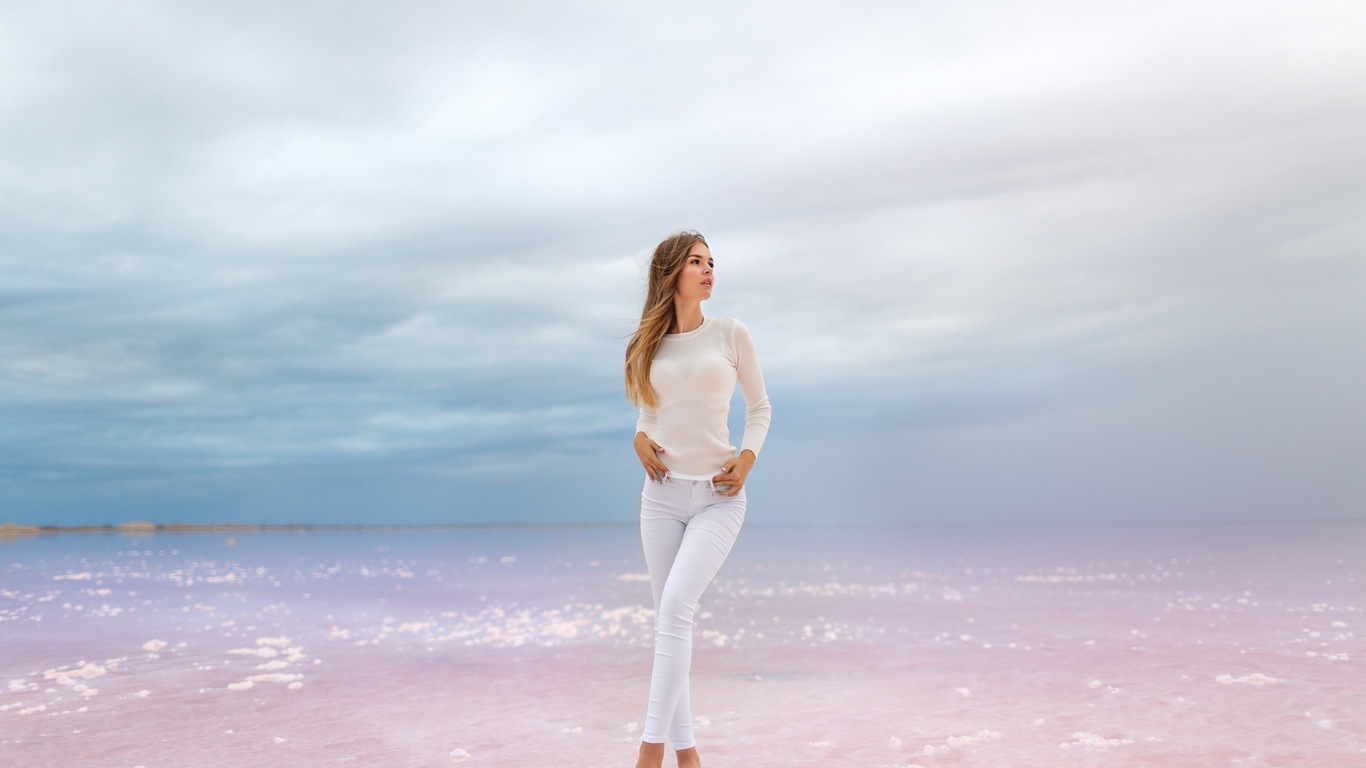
658, 316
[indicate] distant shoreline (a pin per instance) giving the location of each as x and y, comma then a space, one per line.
17, 530
14, 529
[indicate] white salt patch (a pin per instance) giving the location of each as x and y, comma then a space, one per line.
576, 729
1325, 723
269, 665
957, 741
1094, 684
275, 677
88, 692
1256, 678
15, 686
894, 742
634, 577
83, 576
1092, 742
961, 741
265, 652
509, 560
143, 694
242, 686
279, 740
1340, 624
295, 686
91, 670
341, 634
963, 692
278, 642
459, 755
820, 743
152, 646
564, 629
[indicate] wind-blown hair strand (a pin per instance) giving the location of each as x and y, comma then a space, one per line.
658, 315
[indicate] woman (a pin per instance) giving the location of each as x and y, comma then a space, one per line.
681, 370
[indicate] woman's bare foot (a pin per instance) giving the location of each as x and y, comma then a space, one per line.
687, 758
651, 755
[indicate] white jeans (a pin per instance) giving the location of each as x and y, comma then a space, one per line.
687, 529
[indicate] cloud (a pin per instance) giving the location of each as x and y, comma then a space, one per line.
408, 241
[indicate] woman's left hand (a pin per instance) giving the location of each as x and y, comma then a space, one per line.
734, 473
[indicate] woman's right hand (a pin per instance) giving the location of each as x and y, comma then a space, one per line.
648, 451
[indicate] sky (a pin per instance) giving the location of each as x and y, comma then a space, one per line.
375, 263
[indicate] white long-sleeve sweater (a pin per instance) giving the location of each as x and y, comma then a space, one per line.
694, 376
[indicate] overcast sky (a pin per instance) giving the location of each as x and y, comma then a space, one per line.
376, 263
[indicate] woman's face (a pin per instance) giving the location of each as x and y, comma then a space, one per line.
696, 279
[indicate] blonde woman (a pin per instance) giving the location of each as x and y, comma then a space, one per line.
681, 370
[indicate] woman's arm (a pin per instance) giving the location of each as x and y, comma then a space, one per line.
758, 412
648, 451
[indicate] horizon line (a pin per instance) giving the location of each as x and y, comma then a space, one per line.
9, 530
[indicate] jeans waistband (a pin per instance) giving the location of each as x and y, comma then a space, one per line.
668, 478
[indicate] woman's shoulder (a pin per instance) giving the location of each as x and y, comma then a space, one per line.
732, 332
728, 324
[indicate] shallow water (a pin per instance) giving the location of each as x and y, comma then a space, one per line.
1191, 645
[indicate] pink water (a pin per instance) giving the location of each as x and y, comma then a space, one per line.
1010, 646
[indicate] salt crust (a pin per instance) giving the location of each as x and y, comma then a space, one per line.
265, 652
1092, 742
1256, 678
961, 741
275, 677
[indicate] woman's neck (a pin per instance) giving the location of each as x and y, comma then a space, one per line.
687, 316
